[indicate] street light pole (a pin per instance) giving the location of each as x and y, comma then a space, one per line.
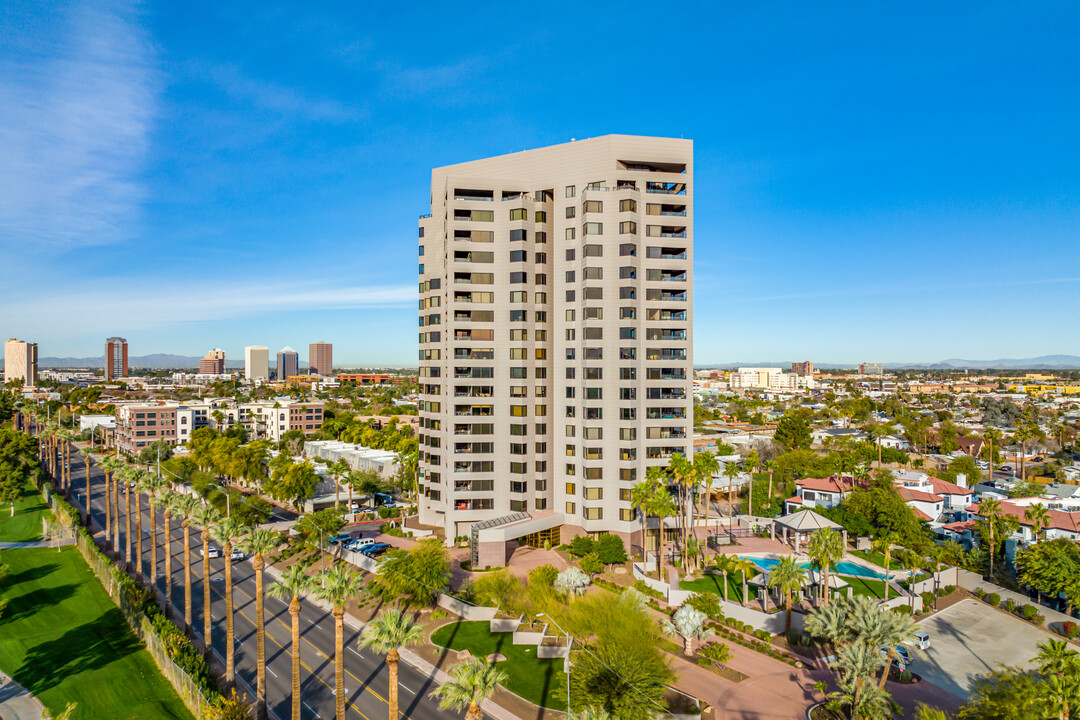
567, 658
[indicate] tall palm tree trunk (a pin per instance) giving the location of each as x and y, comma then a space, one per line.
127, 524
474, 712
108, 508
153, 543
116, 513
392, 667
86, 465
207, 618
187, 576
339, 666
294, 611
167, 544
257, 564
138, 534
230, 645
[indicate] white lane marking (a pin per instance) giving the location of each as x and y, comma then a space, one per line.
407, 688
310, 708
317, 625
356, 651
271, 671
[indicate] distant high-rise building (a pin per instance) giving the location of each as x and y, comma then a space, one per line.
116, 358
871, 369
20, 362
321, 358
213, 363
556, 304
804, 369
288, 363
257, 362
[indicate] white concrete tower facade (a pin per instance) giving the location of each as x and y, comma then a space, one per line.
556, 296
256, 362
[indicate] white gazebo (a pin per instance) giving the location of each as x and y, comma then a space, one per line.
835, 582
803, 521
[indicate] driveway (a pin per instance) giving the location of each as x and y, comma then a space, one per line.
971, 638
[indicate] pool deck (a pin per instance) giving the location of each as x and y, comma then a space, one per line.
849, 558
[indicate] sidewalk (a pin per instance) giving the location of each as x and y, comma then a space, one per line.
36, 544
16, 703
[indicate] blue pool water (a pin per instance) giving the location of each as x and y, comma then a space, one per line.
842, 568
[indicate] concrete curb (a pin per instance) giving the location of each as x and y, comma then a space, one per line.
17, 703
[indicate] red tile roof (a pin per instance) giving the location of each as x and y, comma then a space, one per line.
794, 500
910, 495
921, 515
944, 487
829, 484
1059, 520
959, 527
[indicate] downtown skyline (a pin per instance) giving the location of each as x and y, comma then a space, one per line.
886, 185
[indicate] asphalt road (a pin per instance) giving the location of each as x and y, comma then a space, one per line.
366, 677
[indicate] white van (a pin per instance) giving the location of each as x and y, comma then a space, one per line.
357, 544
922, 640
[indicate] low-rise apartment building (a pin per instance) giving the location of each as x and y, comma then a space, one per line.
140, 424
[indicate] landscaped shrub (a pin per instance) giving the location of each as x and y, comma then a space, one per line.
1071, 630
543, 575
763, 634
1029, 612
730, 622
980, 593
948, 590
706, 603
994, 599
902, 609
581, 545
610, 549
927, 600
642, 587
1010, 605
719, 652
704, 662
591, 564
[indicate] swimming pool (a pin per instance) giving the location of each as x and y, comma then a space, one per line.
842, 568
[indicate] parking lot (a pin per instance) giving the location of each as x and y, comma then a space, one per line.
970, 639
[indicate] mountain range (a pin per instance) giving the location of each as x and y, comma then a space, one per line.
157, 361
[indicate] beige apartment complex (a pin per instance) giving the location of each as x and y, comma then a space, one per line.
20, 362
321, 358
213, 363
556, 322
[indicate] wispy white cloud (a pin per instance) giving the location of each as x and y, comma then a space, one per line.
78, 97
148, 306
274, 97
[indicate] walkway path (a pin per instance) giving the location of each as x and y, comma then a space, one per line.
16, 702
36, 544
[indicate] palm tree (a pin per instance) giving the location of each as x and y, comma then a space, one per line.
898, 630
110, 465
64, 438
1023, 434
826, 548
1039, 517
1056, 658
226, 531
683, 472
166, 500
339, 585
662, 506
639, 498
205, 517
752, 463
471, 682
137, 480
127, 477
705, 466
990, 509
153, 484
744, 566
769, 466
259, 543
337, 469
787, 576
876, 432
185, 507
884, 545
294, 582
990, 435
87, 453
731, 471
386, 635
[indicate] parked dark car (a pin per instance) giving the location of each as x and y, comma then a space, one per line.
343, 537
375, 550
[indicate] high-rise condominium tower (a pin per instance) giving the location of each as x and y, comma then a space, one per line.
20, 362
116, 358
288, 363
256, 362
556, 326
321, 358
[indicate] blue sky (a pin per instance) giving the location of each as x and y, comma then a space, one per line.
873, 182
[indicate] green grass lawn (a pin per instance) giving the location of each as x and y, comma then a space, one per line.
867, 586
26, 524
539, 681
64, 640
876, 558
715, 584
